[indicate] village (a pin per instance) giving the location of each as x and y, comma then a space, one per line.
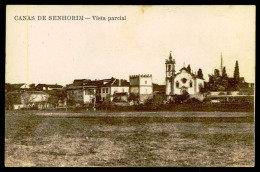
130, 85
183, 86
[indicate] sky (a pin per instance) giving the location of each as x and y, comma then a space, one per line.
60, 51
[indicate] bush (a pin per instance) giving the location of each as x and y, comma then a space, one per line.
193, 101
132, 97
180, 98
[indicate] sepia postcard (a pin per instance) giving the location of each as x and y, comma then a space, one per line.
130, 86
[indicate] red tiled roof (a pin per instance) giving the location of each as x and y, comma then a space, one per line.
117, 83
16, 86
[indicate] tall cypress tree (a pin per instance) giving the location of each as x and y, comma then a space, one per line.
236, 73
188, 68
216, 73
200, 74
224, 73
224, 78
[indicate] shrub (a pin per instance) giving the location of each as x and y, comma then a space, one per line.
192, 101
180, 98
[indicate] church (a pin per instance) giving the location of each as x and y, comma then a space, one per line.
182, 82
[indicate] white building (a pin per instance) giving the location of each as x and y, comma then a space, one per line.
184, 81
142, 86
91, 91
113, 87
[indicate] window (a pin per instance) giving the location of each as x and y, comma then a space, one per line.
169, 67
145, 82
177, 84
184, 80
106, 90
190, 83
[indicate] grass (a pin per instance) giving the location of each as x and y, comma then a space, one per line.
44, 141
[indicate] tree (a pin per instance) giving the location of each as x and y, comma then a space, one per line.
224, 79
28, 98
12, 98
71, 102
216, 73
200, 74
216, 82
224, 73
132, 97
53, 100
201, 89
188, 68
107, 102
158, 100
180, 98
236, 73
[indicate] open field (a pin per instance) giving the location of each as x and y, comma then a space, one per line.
130, 139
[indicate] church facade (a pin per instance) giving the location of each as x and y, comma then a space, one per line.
181, 82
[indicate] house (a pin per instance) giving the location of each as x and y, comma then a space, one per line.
74, 94
106, 80
75, 91
53, 87
91, 91
141, 86
85, 91
113, 88
79, 82
19, 87
120, 97
45, 87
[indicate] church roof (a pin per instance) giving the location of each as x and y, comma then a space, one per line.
192, 74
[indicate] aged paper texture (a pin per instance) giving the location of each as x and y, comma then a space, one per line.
130, 85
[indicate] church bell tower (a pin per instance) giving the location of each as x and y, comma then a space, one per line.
170, 73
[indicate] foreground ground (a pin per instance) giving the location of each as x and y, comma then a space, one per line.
130, 139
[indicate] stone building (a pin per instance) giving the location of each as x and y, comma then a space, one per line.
141, 86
